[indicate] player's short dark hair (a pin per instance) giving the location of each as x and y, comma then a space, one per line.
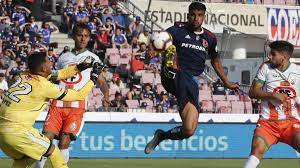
35, 61
80, 26
197, 6
282, 46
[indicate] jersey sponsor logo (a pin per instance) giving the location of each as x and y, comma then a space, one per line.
193, 46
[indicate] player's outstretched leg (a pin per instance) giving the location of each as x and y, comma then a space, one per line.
160, 135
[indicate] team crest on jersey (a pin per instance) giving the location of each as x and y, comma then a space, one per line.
204, 43
73, 126
293, 81
73, 80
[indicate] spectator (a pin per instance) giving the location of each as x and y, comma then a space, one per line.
148, 92
144, 37
119, 103
81, 15
218, 87
116, 82
46, 31
3, 84
134, 93
110, 27
106, 15
119, 19
164, 101
7, 58
20, 14
68, 12
119, 40
135, 28
102, 39
137, 66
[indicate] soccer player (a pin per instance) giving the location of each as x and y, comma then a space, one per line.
24, 101
277, 84
194, 44
65, 119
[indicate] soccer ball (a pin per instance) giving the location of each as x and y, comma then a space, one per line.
161, 40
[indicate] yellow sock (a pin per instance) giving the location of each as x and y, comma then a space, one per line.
23, 163
57, 160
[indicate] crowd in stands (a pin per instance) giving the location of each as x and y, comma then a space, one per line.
132, 72
265, 2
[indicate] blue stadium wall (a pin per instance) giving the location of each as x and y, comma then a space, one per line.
126, 140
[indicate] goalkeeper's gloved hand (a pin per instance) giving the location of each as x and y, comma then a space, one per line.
97, 69
86, 63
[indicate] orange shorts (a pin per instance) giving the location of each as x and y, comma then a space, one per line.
273, 132
64, 120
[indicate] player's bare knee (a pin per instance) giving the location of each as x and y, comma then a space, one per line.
64, 141
188, 132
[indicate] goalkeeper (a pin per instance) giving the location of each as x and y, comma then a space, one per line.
24, 101
194, 44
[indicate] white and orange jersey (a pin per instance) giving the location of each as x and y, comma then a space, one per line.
77, 81
287, 82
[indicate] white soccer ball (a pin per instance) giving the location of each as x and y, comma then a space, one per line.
161, 40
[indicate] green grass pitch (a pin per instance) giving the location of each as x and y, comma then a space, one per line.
168, 163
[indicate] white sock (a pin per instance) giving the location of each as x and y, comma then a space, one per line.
66, 154
252, 162
41, 163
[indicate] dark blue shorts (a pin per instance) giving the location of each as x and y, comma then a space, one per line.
183, 86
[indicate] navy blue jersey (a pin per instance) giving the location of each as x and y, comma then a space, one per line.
193, 49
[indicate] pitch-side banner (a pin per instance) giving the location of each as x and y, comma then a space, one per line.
284, 24
123, 140
249, 19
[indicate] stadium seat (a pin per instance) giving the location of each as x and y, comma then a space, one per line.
132, 103
268, 2
147, 78
248, 107
160, 88
124, 61
233, 98
279, 2
157, 79
98, 103
217, 1
103, 2
223, 106
113, 59
218, 97
291, 2
257, 2
204, 95
149, 104
124, 91
126, 52
237, 107
96, 91
207, 106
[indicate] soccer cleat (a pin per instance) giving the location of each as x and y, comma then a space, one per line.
157, 138
170, 55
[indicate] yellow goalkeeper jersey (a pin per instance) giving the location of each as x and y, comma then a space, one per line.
29, 95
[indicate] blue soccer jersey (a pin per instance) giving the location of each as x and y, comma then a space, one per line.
193, 48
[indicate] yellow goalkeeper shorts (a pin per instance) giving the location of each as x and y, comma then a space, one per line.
20, 142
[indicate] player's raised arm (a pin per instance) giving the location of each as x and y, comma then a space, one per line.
53, 92
71, 70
